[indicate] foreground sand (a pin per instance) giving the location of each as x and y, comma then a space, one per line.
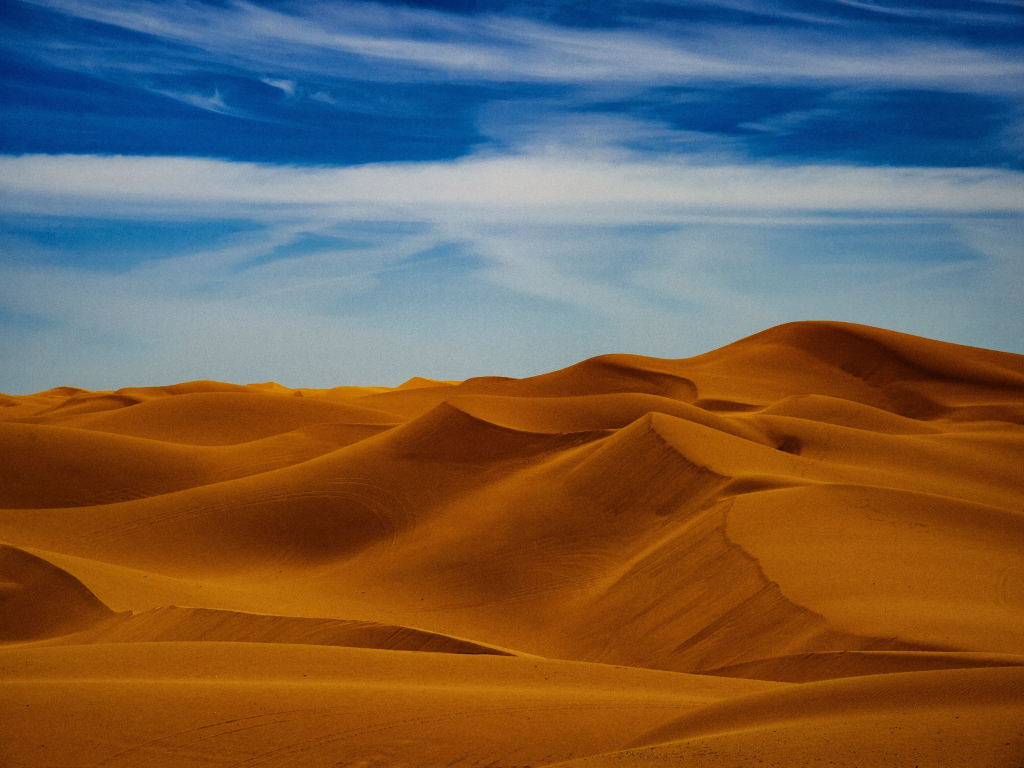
805, 548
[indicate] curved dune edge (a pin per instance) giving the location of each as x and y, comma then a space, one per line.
39, 600
42, 603
824, 522
176, 624
849, 697
815, 667
949, 718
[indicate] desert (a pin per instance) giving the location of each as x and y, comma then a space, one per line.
805, 548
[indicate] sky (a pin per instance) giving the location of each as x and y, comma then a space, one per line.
329, 193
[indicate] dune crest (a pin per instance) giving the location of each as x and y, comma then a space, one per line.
803, 546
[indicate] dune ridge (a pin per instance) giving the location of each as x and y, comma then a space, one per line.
174, 624
803, 545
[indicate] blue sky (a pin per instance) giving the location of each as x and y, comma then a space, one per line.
359, 192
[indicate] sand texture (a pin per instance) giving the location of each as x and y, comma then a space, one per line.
803, 549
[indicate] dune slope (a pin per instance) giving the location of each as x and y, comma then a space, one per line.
804, 546
950, 718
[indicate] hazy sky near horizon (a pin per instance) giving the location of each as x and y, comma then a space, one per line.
326, 193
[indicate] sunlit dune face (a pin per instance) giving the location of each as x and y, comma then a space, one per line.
804, 547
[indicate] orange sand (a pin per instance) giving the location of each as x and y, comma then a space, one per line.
805, 548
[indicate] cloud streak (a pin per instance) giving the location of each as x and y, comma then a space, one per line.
371, 41
549, 188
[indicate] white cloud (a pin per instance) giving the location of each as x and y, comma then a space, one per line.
214, 103
788, 122
382, 42
534, 188
949, 16
548, 129
287, 86
324, 97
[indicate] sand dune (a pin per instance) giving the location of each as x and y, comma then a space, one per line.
214, 418
196, 704
811, 667
948, 718
174, 624
102, 468
39, 600
804, 546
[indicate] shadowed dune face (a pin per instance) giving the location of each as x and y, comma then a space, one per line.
39, 600
806, 543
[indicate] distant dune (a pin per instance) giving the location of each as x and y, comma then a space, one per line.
804, 548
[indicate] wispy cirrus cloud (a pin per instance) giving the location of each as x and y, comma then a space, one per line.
214, 103
989, 13
418, 84
356, 39
286, 86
